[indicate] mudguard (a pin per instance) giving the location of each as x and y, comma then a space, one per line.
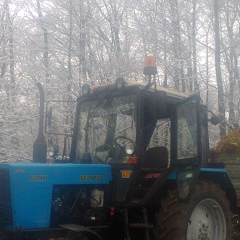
220, 177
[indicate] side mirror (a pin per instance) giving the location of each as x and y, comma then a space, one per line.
215, 120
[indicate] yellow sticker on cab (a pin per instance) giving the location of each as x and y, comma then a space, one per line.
126, 173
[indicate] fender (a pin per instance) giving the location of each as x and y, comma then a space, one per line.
220, 177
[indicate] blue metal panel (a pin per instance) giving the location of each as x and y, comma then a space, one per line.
32, 184
172, 176
213, 170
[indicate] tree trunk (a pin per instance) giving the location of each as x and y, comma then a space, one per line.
11, 85
3, 40
207, 70
177, 49
194, 48
70, 42
221, 104
82, 44
231, 63
45, 42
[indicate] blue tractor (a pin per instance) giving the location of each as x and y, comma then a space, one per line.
139, 168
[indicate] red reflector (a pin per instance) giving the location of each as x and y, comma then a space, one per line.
112, 211
132, 160
105, 86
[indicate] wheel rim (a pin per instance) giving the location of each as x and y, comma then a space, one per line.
207, 222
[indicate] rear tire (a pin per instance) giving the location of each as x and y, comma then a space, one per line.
205, 216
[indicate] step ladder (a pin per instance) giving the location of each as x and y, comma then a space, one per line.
145, 225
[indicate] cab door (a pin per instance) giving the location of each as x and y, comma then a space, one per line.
187, 147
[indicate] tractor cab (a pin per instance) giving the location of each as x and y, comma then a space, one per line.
141, 131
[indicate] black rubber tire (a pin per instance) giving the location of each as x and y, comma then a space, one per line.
174, 215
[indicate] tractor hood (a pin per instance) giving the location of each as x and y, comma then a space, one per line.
28, 173
21, 185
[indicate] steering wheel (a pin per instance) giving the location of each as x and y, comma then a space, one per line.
118, 145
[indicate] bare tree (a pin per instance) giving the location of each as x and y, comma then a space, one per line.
230, 46
45, 41
3, 41
7, 50
221, 103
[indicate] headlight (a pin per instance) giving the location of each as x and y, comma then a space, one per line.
50, 152
129, 148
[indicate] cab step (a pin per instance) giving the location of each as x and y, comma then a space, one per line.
140, 225
145, 225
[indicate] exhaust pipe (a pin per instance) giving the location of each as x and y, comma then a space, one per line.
40, 145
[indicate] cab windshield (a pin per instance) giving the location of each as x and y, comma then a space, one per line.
107, 129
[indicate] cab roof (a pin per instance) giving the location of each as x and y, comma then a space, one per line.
169, 92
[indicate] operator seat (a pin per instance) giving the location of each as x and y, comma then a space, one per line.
155, 162
156, 158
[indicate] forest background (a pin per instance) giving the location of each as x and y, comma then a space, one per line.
66, 43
